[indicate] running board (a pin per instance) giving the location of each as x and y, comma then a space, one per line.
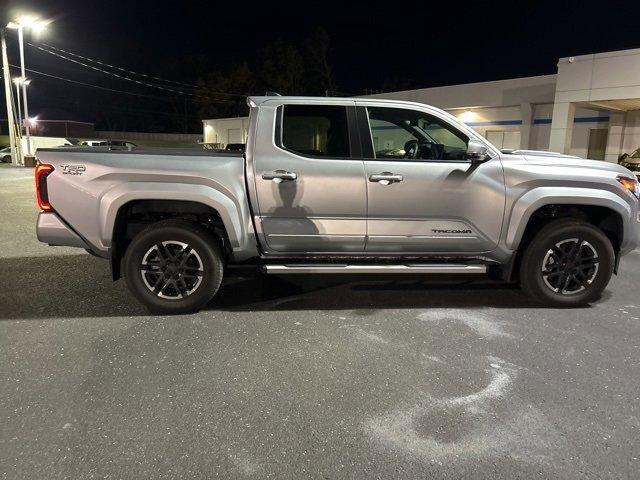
441, 268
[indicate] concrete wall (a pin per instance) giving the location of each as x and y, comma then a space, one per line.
610, 79
512, 92
632, 132
166, 137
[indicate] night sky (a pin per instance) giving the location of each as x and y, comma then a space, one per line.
421, 43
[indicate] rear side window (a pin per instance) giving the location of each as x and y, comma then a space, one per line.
315, 130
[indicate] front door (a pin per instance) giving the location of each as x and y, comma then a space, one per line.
311, 190
424, 196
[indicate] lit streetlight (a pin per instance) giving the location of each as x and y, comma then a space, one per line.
18, 81
19, 24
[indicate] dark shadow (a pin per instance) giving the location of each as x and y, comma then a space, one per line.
289, 217
76, 286
344, 292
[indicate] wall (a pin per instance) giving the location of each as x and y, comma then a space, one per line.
632, 132
168, 137
154, 140
584, 120
515, 91
598, 79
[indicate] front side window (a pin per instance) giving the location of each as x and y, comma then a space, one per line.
412, 135
316, 130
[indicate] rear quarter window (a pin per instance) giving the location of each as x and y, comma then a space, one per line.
315, 130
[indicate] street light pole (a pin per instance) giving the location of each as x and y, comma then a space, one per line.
7, 90
17, 82
24, 88
33, 23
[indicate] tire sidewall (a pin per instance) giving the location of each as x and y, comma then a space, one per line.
202, 242
548, 237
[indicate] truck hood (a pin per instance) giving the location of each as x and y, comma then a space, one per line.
538, 157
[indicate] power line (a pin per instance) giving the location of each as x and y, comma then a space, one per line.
99, 87
127, 78
134, 112
86, 84
118, 68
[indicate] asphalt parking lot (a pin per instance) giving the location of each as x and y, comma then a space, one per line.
306, 377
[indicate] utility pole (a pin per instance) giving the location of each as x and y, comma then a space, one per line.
24, 89
7, 92
17, 82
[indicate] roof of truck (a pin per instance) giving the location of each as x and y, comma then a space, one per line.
259, 100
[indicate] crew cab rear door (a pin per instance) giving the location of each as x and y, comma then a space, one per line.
309, 177
424, 196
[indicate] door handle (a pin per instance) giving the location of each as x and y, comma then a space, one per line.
385, 178
279, 176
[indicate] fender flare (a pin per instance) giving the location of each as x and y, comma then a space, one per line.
536, 198
230, 212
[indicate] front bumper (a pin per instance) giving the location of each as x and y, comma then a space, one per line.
52, 230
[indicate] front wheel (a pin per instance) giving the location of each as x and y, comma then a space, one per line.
173, 267
568, 263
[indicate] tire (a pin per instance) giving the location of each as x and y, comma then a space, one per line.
6, 159
181, 260
578, 261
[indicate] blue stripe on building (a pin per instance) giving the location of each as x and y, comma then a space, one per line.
536, 121
543, 121
495, 122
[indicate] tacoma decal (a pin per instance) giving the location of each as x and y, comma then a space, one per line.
435, 230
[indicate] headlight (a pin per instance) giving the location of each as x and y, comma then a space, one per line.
630, 184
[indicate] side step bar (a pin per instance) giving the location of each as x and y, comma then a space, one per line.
442, 268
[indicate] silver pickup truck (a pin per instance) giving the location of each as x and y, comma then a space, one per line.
329, 185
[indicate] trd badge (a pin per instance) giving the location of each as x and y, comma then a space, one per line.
73, 169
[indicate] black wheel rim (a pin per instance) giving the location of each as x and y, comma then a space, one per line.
171, 270
570, 266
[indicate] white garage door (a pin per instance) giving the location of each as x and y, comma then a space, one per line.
234, 135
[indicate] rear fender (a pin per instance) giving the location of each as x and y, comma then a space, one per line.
231, 213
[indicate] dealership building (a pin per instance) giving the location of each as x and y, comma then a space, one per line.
590, 108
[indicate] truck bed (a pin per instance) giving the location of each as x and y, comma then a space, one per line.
88, 186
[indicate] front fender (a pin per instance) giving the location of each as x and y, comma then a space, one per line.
538, 197
231, 213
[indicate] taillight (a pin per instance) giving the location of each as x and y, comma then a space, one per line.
42, 170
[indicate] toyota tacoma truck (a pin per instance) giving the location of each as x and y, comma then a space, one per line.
330, 186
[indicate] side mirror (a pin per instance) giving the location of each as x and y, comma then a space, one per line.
477, 152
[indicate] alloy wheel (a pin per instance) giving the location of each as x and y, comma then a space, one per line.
172, 269
570, 266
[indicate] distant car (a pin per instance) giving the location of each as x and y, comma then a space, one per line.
111, 144
5, 155
235, 147
631, 161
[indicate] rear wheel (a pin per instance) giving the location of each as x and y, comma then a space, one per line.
568, 263
173, 266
